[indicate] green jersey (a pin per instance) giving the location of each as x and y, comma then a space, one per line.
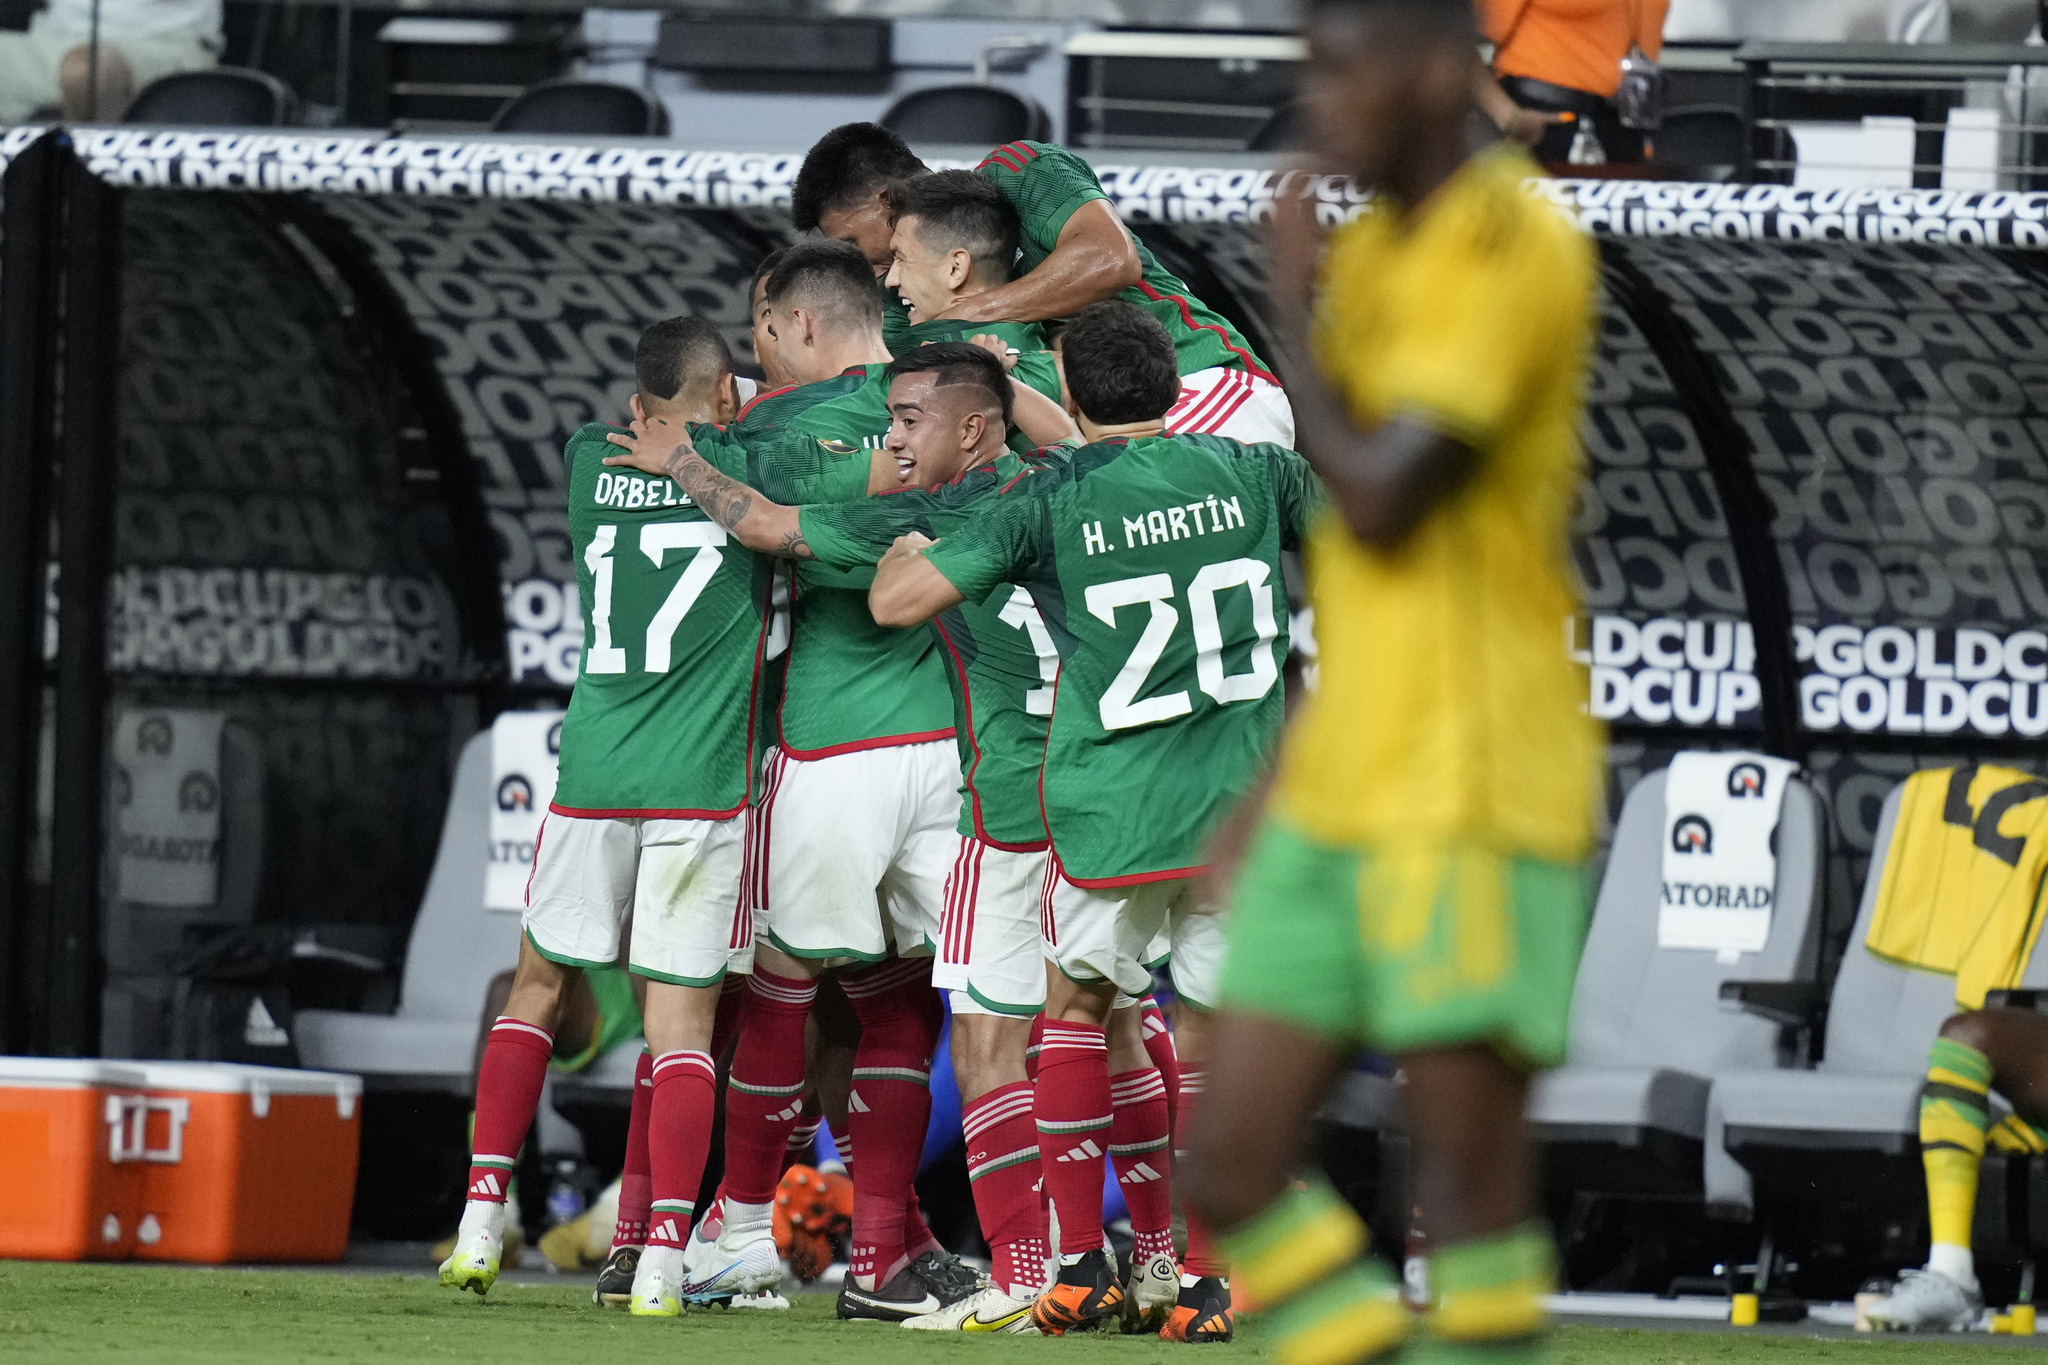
661, 723
1156, 564
999, 657
1048, 184
1035, 366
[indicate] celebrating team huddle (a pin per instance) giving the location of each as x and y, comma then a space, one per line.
1026, 501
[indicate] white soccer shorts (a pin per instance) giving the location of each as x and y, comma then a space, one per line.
679, 881
1103, 934
991, 948
856, 849
1226, 400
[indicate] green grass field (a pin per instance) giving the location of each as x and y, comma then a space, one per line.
136, 1314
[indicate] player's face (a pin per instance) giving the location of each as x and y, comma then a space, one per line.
772, 370
924, 277
933, 431
1371, 94
866, 225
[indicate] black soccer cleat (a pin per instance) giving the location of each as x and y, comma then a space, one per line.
925, 1286
615, 1280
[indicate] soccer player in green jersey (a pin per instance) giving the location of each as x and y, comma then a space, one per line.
1076, 251
1155, 563
656, 774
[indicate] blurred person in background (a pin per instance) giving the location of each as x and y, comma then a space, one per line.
1556, 67
51, 65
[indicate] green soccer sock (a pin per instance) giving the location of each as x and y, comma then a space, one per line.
1302, 1259
1488, 1294
1954, 1112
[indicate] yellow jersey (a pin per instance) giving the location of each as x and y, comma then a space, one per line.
1962, 882
1448, 707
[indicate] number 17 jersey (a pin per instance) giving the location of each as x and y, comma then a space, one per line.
675, 618
1156, 565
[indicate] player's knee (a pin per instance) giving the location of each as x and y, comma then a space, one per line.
1971, 1029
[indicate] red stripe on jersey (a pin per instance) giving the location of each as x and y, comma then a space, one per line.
1023, 151
860, 745
1171, 874
583, 813
1187, 318
1192, 413
1215, 421
758, 397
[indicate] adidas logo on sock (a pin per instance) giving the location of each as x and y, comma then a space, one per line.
488, 1187
795, 1110
854, 1104
1140, 1174
665, 1231
1087, 1151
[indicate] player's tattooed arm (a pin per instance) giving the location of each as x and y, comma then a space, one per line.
908, 590
662, 447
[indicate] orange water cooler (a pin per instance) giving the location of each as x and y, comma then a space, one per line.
246, 1163
71, 1158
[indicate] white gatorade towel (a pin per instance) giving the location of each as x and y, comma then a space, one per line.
1720, 860
167, 806
525, 749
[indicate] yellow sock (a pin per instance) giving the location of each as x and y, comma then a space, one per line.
1954, 1112
1490, 1289
1303, 1259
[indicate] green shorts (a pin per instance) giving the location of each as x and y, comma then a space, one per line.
618, 1016
1409, 947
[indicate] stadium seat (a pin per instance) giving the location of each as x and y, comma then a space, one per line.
1627, 1113
226, 96
457, 946
1848, 1130
594, 108
978, 115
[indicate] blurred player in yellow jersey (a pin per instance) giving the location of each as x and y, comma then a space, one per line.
1416, 883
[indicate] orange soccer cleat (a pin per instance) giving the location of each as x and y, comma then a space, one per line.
1085, 1295
1202, 1313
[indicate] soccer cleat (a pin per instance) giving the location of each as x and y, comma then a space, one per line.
1084, 1294
1150, 1294
479, 1249
1927, 1301
987, 1310
615, 1280
658, 1284
927, 1285
1201, 1312
767, 1301
740, 1260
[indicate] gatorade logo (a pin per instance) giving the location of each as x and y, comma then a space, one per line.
1692, 834
515, 793
1746, 780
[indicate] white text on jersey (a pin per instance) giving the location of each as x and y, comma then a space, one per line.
1167, 523
621, 490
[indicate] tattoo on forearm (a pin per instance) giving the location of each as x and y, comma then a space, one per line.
795, 546
723, 498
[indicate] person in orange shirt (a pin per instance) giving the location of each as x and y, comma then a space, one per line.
1557, 64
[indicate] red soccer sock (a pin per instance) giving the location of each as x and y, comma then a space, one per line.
1002, 1169
507, 1092
1073, 1117
890, 1107
917, 1234
764, 1096
1202, 1256
1159, 1047
636, 1183
679, 1137
1138, 1148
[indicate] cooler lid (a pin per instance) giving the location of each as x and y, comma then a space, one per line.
67, 1073
235, 1078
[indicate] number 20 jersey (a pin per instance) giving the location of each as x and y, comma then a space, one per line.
675, 618
1156, 565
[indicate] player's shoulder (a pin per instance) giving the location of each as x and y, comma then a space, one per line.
591, 436
1017, 157
1495, 214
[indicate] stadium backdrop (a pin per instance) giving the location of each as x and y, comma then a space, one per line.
313, 391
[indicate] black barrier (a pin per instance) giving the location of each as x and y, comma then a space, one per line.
1813, 518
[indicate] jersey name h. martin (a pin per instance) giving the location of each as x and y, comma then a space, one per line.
1163, 524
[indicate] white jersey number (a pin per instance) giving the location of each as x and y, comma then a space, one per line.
656, 540
1120, 707
1021, 613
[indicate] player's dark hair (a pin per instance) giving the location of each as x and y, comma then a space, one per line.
959, 210
679, 353
1452, 19
1120, 364
958, 362
763, 271
846, 166
831, 279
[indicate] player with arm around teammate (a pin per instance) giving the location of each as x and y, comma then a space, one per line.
1076, 251
1155, 562
1417, 885
647, 821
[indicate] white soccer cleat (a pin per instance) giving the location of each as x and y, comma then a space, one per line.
1927, 1301
742, 1260
767, 1301
989, 1310
658, 1283
479, 1247
1152, 1293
